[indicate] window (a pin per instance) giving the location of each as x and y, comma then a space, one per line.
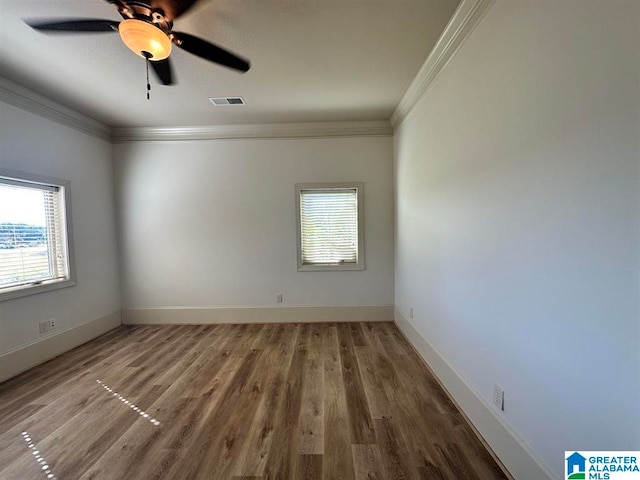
34, 235
330, 219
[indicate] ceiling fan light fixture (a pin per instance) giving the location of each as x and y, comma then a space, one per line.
140, 36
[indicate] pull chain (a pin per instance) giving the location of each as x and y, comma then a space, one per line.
147, 56
148, 84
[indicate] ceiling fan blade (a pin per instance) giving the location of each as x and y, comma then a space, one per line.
173, 8
209, 51
163, 70
84, 25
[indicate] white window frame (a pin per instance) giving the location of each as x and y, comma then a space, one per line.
359, 265
67, 233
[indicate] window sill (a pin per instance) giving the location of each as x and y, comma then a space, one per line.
331, 267
26, 290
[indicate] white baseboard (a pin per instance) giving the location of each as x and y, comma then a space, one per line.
24, 358
513, 452
290, 314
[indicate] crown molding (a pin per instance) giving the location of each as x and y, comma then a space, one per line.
25, 99
267, 130
462, 23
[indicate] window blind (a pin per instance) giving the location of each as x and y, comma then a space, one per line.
329, 226
32, 234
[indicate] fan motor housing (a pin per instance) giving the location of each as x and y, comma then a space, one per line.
143, 11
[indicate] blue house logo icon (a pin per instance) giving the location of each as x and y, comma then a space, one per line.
576, 466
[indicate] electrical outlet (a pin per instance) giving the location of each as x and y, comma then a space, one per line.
498, 397
52, 324
411, 312
279, 298
43, 327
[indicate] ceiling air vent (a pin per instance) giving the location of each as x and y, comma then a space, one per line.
219, 101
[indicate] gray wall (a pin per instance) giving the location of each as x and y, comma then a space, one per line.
227, 212
518, 220
33, 144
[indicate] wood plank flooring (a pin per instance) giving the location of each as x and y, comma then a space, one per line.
290, 401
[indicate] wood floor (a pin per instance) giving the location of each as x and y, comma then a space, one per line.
290, 401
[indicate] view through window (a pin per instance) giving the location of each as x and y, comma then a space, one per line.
33, 243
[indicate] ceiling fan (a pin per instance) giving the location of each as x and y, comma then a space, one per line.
146, 29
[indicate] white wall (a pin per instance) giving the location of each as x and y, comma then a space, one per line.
212, 223
518, 220
33, 144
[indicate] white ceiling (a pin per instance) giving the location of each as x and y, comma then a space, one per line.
311, 60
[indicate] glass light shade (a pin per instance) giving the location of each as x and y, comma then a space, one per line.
141, 36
